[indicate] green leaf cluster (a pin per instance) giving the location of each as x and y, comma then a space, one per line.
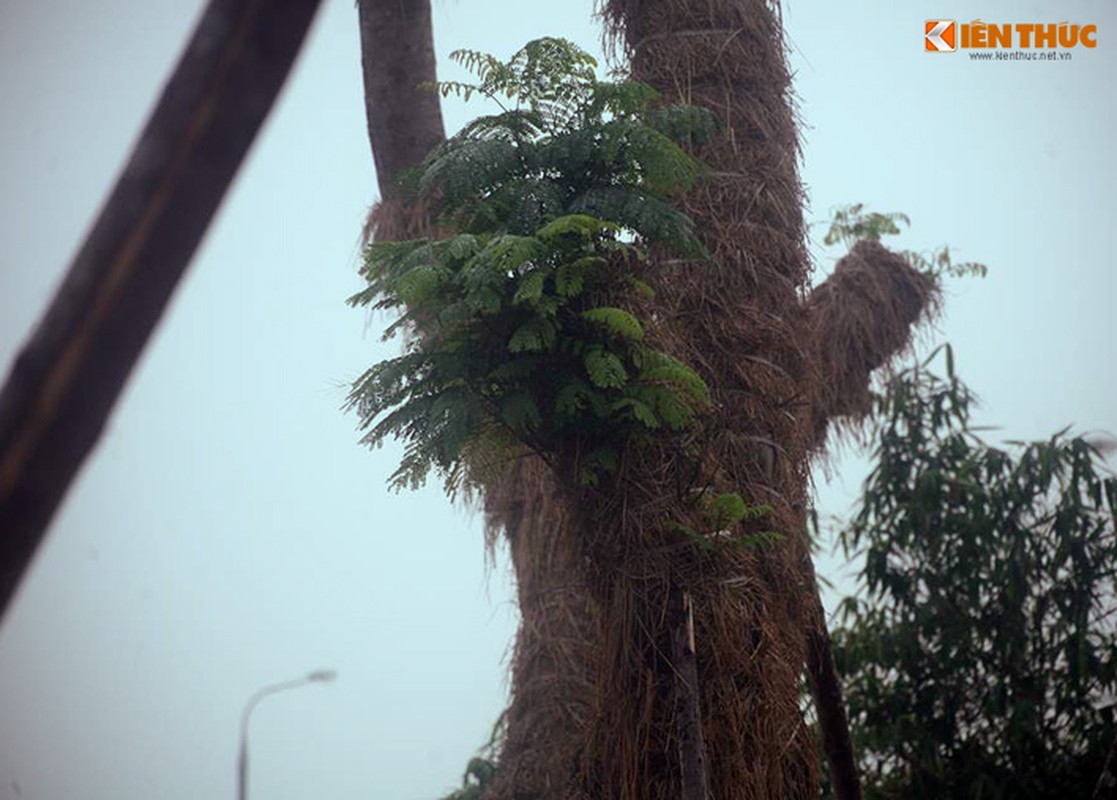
982, 661
851, 224
522, 314
564, 143
940, 263
717, 515
481, 768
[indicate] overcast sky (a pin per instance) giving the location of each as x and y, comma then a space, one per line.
228, 532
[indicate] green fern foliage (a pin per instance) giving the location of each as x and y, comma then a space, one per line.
564, 142
522, 328
851, 224
717, 518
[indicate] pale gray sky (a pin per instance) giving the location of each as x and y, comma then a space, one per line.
228, 532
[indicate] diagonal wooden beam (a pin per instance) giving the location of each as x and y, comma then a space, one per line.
68, 376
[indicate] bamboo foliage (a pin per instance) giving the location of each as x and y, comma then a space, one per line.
981, 660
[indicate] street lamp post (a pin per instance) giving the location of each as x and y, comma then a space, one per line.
319, 676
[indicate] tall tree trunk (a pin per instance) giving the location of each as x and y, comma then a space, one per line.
589, 678
66, 380
740, 319
556, 660
552, 670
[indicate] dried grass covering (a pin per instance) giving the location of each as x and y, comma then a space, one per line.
739, 319
554, 661
863, 316
592, 682
395, 220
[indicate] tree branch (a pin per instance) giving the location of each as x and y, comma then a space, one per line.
397, 55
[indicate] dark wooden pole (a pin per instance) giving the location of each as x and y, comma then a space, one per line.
832, 721
826, 689
688, 705
65, 381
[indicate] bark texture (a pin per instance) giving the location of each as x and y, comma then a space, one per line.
397, 56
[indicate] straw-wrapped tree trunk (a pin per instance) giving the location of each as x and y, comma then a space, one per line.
643, 670
782, 369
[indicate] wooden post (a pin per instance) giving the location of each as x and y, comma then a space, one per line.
67, 377
688, 706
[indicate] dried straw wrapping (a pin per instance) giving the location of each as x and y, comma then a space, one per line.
591, 713
553, 664
862, 316
738, 319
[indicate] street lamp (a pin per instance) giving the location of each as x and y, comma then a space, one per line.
318, 676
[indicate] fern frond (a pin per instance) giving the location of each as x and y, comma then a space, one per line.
637, 410
605, 370
620, 99
583, 226
662, 165
520, 124
530, 287
572, 397
455, 88
535, 335
527, 204
462, 168
617, 321
492, 71
664, 369
509, 253
683, 124
654, 220
519, 412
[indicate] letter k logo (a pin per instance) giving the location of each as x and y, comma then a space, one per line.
938, 35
